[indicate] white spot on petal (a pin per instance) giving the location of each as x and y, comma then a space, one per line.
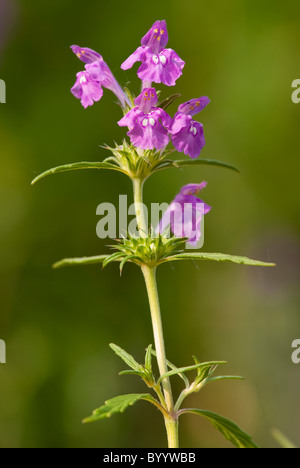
151, 121
193, 130
145, 122
82, 79
155, 58
162, 59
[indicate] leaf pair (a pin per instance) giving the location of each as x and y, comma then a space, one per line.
196, 256
112, 166
119, 404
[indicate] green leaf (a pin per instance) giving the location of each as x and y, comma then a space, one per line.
173, 367
225, 377
118, 405
204, 373
148, 358
229, 429
131, 372
194, 162
80, 261
219, 257
127, 358
189, 368
77, 166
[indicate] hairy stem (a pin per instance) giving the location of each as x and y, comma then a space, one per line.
149, 273
138, 185
170, 421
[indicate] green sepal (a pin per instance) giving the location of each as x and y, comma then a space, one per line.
229, 429
168, 101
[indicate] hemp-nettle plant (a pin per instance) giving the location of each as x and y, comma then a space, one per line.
151, 130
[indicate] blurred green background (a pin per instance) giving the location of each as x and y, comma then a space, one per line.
57, 325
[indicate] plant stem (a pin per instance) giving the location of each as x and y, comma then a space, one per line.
139, 206
149, 273
171, 422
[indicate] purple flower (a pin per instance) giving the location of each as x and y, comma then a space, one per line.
86, 89
148, 125
158, 64
98, 72
187, 134
185, 213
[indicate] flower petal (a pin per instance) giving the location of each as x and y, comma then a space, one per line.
137, 56
194, 106
85, 54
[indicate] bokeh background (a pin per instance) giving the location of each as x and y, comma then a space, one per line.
57, 325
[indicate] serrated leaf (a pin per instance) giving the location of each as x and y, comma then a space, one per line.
127, 358
182, 370
194, 162
76, 166
229, 429
118, 405
219, 257
80, 261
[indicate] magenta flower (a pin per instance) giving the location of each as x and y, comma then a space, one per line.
187, 134
185, 213
148, 125
86, 89
97, 75
158, 64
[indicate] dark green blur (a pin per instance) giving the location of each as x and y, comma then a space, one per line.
57, 325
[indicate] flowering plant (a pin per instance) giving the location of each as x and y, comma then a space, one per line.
150, 130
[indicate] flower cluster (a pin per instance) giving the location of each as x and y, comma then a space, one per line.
150, 127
